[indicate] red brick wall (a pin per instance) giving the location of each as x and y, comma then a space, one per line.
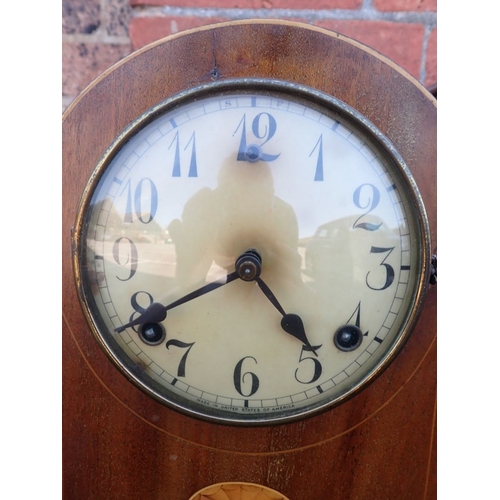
98, 33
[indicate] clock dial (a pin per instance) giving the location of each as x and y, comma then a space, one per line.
251, 252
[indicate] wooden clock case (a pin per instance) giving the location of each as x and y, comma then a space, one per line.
120, 443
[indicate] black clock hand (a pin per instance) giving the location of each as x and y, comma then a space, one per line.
246, 266
291, 323
156, 312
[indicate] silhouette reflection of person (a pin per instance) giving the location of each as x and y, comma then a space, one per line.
241, 213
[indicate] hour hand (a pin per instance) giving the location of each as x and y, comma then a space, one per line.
291, 323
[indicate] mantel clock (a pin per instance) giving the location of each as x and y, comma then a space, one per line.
249, 226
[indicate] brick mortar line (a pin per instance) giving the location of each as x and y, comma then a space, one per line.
429, 19
67, 100
364, 14
423, 61
96, 37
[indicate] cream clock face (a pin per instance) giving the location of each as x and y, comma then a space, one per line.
251, 252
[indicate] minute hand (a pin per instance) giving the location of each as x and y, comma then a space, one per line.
291, 323
156, 312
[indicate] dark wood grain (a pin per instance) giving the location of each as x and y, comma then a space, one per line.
120, 444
